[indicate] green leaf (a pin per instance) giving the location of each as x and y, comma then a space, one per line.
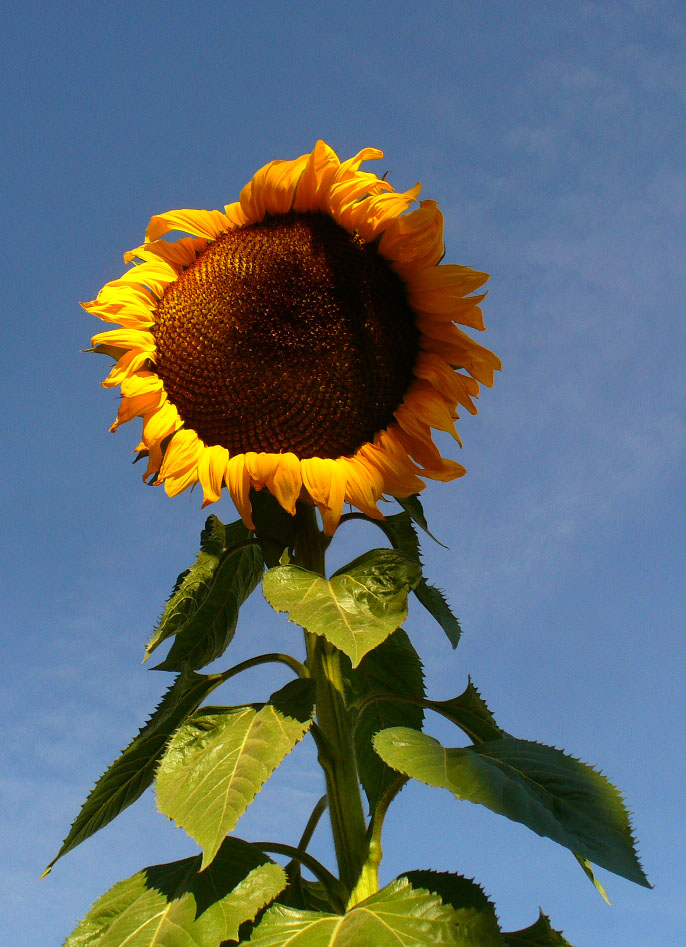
356, 609
477, 924
413, 507
306, 895
275, 528
540, 934
202, 611
402, 536
397, 915
219, 760
393, 667
551, 793
131, 774
173, 905
471, 714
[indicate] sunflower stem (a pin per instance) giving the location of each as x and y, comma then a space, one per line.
335, 746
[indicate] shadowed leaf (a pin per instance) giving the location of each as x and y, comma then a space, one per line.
540, 934
202, 611
275, 528
356, 609
173, 905
471, 714
219, 760
551, 793
393, 668
414, 509
131, 774
402, 536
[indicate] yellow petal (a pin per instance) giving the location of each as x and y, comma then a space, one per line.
419, 444
181, 454
130, 408
316, 178
141, 383
461, 351
363, 486
153, 277
211, 469
373, 216
415, 239
456, 387
126, 338
238, 481
398, 480
352, 165
428, 404
201, 223
179, 254
175, 484
235, 215
286, 481
125, 366
325, 481
154, 460
260, 467
272, 189
160, 424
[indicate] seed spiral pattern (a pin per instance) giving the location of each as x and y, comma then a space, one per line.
291, 334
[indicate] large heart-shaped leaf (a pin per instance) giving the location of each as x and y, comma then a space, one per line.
397, 915
551, 793
219, 760
356, 609
173, 905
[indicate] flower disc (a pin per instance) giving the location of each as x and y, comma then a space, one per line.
304, 341
287, 335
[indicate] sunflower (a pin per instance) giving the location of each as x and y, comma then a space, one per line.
302, 341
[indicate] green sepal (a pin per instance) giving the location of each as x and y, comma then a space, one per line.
131, 774
219, 760
393, 667
540, 934
202, 611
402, 536
550, 792
174, 905
476, 920
413, 507
275, 528
398, 914
356, 609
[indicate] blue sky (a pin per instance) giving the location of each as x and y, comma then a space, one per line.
551, 135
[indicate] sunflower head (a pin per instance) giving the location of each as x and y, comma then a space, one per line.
302, 341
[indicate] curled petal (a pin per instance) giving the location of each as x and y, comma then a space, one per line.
237, 479
316, 179
201, 223
211, 469
286, 481
181, 459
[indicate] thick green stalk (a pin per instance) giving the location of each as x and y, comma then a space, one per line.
334, 722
